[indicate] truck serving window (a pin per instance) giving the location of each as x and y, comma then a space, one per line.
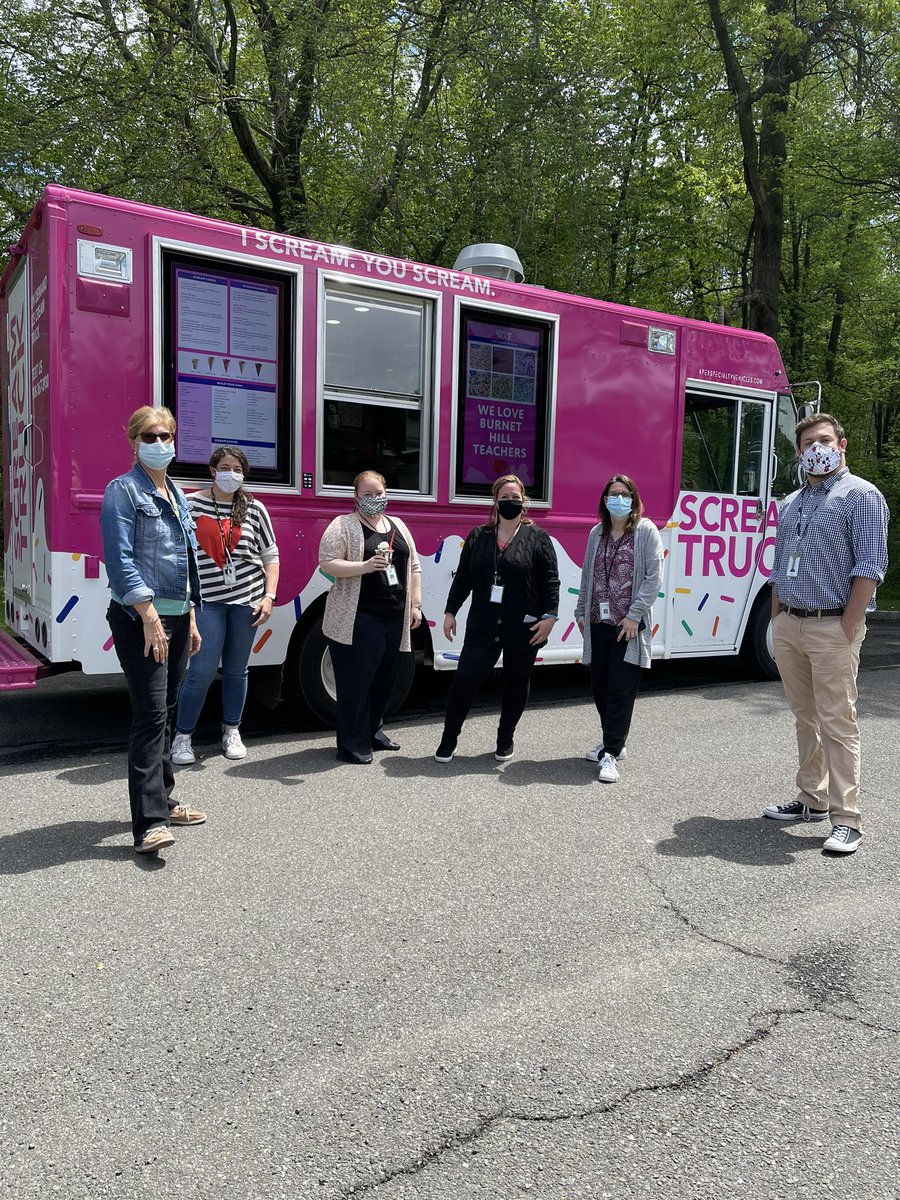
377, 387
228, 369
503, 403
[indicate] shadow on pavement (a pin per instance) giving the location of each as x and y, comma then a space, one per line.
71, 841
748, 840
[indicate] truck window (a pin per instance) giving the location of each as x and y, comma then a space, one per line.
708, 445
377, 396
503, 377
227, 363
786, 477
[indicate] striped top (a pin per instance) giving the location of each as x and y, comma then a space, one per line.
250, 545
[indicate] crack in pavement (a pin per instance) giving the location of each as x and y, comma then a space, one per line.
820, 988
686, 1079
768, 1022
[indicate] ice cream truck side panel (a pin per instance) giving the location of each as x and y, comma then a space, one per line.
321, 361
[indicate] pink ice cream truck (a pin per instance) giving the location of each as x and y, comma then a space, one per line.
320, 361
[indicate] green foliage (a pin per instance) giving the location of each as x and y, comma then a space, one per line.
599, 137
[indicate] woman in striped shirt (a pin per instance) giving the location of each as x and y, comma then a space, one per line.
238, 563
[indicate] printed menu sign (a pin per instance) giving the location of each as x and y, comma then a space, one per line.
227, 368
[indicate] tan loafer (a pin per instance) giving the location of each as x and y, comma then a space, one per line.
155, 839
182, 815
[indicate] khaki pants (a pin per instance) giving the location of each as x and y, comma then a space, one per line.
818, 669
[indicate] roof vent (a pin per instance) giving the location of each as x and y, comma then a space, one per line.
492, 259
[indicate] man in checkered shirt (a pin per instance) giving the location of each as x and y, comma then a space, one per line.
830, 555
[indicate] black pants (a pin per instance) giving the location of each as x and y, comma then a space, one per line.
364, 674
153, 688
475, 664
615, 684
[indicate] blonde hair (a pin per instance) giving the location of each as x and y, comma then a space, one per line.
495, 490
146, 417
368, 475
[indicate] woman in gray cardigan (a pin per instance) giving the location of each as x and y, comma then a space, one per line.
619, 581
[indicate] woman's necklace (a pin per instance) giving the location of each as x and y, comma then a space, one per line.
502, 544
377, 525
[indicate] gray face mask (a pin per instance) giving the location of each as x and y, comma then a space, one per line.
372, 506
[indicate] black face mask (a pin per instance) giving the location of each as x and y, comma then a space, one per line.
509, 509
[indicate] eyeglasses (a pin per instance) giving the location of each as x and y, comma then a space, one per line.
150, 438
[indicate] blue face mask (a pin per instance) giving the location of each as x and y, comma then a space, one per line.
156, 455
618, 506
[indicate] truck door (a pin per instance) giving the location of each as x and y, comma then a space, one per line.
721, 519
19, 442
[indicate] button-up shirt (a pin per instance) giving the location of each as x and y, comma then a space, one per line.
839, 530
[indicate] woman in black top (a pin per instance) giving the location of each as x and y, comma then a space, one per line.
509, 567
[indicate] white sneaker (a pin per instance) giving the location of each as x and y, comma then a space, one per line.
597, 753
232, 746
609, 772
182, 753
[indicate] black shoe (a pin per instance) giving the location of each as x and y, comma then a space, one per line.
381, 741
359, 760
504, 752
445, 750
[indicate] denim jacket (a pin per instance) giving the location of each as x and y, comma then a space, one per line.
143, 546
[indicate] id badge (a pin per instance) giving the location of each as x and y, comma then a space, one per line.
793, 564
229, 573
391, 577
605, 612
497, 593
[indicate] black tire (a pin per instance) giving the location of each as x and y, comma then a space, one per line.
315, 677
757, 647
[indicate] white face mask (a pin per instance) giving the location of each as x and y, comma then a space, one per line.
228, 481
820, 460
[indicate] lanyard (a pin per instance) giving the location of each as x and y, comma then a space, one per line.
498, 553
610, 562
801, 529
228, 545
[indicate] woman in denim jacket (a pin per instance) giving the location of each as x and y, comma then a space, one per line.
150, 553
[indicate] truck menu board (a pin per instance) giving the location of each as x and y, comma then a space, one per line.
225, 339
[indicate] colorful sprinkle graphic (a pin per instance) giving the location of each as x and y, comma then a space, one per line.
262, 641
108, 644
682, 591
439, 551
568, 631
298, 608
727, 599
655, 631
330, 578
75, 557
715, 626
66, 609
665, 555
573, 591
702, 602
431, 624
687, 629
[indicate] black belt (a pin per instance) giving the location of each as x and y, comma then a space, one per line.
814, 612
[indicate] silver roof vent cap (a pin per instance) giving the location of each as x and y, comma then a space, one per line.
492, 259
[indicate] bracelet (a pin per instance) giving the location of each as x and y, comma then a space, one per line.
270, 596
153, 622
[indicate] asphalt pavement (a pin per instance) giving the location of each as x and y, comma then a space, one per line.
414, 981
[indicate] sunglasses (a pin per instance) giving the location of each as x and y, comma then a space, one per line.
150, 438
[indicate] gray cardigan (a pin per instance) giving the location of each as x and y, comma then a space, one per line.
648, 560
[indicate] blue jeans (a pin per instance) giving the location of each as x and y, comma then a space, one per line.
228, 637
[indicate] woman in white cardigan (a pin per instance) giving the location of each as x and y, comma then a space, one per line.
375, 600
619, 581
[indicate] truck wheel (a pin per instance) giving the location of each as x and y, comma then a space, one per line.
315, 676
757, 647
